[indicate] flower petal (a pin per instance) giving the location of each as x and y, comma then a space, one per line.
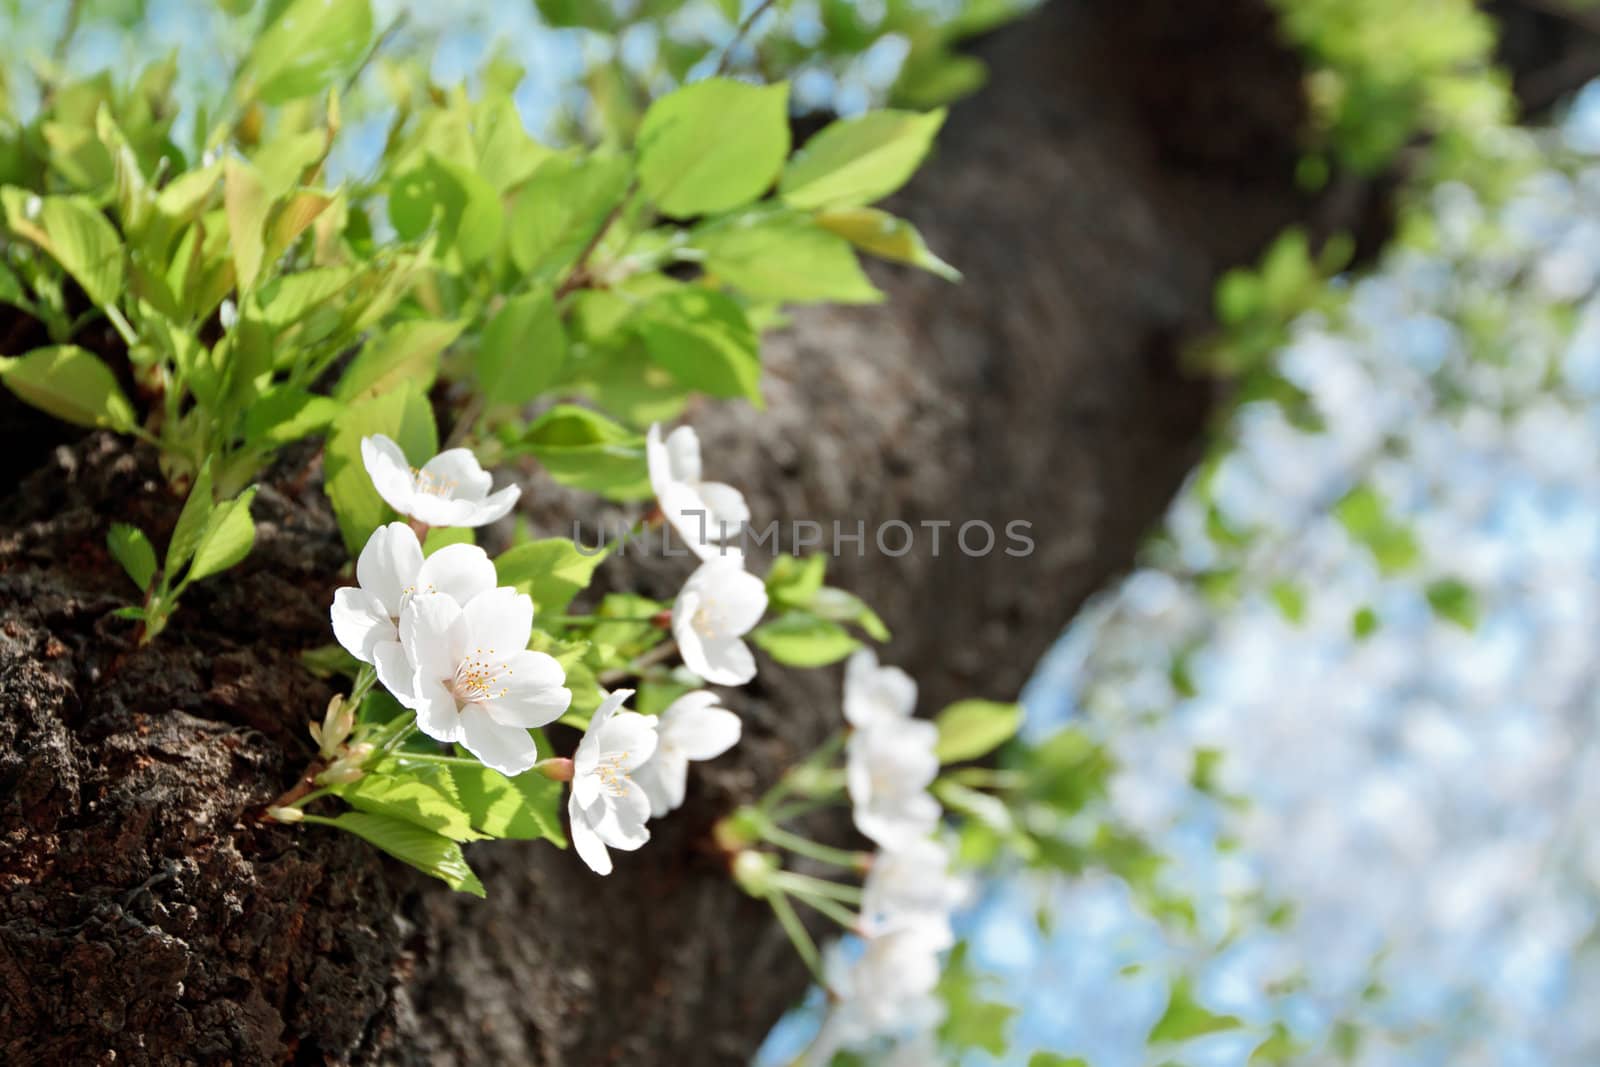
455, 474
585, 842
683, 452
664, 779
360, 622
395, 671
390, 472
443, 511
873, 693
629, 738
388, 564
529, 698
508, 749
700, 733
434, 632
729, 512
494, 507
724, 661
460, 572
627, 810
438, 715
500, 619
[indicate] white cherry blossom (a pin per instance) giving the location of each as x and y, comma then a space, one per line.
888, 769
912, 885
389, 572
705, 514
887, 990
875, 694
693, 727
607, 807
718, 605
451, 489
474, 680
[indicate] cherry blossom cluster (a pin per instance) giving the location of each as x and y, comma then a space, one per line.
451, 644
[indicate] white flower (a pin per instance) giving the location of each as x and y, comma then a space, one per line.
692, 727
474, 681
887, 990
390, 570
719, 604
875, 694
606, 806
912, 886
451, 489
888, 769
704, 513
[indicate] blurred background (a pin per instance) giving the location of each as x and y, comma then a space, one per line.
1315, 783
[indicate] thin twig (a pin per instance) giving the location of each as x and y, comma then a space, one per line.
578, 276
739, 34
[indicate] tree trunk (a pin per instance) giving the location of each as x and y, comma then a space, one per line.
1121, 158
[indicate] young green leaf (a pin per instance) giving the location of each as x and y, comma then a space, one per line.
1187, 1018
246, 203
704, 339
880, 234
71, 384
407, 352
713, 146
464, 206
307, 47
551, 571
193, 521
405, 416
857, 160
523, 349
131, 548
287, 414
972, 728
561, 208
785, 257
229, 535
800, 639
420, 793
425, 850
585, 450
524, 808
86, 245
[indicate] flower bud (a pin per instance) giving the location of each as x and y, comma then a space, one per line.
340, 774
557, 768
285, 814
753, 871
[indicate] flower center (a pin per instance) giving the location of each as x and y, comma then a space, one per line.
433, 485
703, 620
477, 678
614, 778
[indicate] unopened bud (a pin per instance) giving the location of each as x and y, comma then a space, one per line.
340, 774
738, 831
752, 871
662, 620
337, 722
285, 814
556, 768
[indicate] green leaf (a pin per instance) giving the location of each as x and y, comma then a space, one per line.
1453, 599
407, 352
287, 414
523, 349
192, 521
524, 808
71, 384
841, 606
794, 582
551, 571
972, 728
561, 208
307, 47
585, 450
442, 536
1365, 516
131, 548
86, 245
466, 208
425, 850
785, 257
857, 160
1186, 1018
246, 204
422, 794
704, 339
229, 535
883, 235
801, 639
403, 415
971, 1021
713, 146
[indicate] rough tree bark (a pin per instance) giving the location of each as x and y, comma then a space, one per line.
1121, 158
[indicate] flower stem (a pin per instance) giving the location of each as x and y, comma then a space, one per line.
795, 882
840, 914
308, 798
804, 846
664, 651
429, 757
796, 930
